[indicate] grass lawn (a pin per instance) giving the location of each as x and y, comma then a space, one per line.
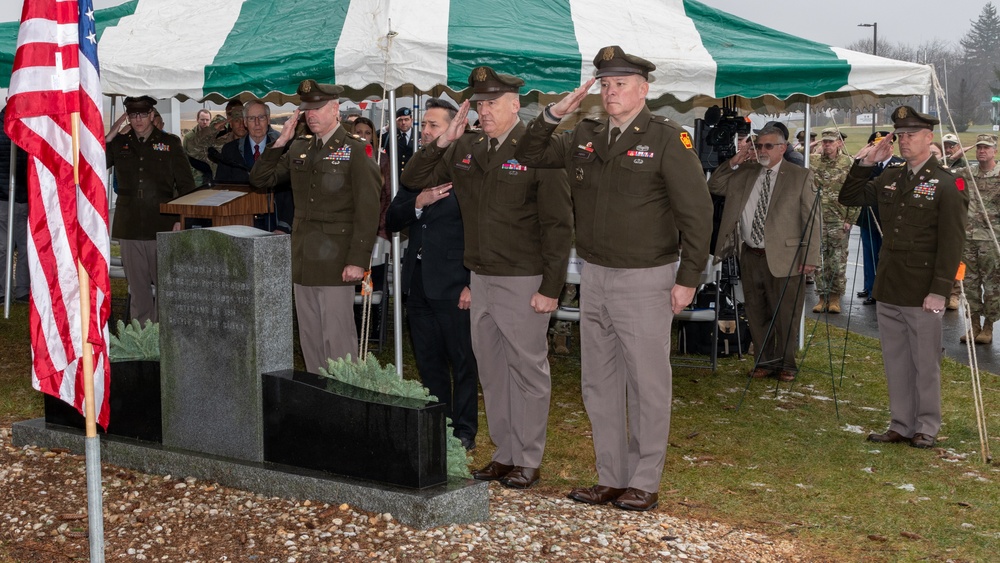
791, 463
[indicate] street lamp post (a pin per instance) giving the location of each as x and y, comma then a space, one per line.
874, 27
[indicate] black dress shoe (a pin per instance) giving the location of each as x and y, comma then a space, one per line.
598, 494
862, 294
635, 499
922, 441
890, 437
494, 471
521, 478
869, 301
468, 443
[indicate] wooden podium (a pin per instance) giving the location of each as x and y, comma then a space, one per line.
226, 204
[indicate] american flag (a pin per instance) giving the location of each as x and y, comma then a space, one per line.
55, 79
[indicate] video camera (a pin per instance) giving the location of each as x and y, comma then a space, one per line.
716, 134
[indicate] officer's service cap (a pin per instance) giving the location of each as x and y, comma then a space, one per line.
877, 136
488, 84
139, 104
315, 95
908, 120
613, 61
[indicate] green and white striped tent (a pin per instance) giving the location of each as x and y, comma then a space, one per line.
221, 48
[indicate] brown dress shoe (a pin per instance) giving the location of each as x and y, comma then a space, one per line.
922, 441
634, 499
494, 471
521, 477
598, 494
890, 437
786, 375
760, 373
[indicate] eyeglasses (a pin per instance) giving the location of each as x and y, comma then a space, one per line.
138, 114
257, 118
766, 146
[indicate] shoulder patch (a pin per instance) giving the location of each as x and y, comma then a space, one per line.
686, 140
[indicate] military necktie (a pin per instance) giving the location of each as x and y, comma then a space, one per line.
494, 143
760, 214
615, 133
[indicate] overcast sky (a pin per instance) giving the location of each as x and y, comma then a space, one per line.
834, 22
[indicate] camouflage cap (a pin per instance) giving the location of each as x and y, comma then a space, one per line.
315, 95
908, 120
488, 84
613, 61
986, 140
832, 134
139, 104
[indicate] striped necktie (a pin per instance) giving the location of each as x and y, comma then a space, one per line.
760, 214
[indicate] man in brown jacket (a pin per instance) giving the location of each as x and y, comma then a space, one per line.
773, 218
152, 169
637, 185
518, 224
924, 208
336, 188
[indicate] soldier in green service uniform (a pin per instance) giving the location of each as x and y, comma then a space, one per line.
637, 185
336, 189
829, 171
982, 286
923, 206
152, 169
518, 224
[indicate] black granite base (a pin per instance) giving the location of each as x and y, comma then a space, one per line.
134, 402
457, 501
318, 423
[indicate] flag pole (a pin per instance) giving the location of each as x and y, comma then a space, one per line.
9, 260
95, 501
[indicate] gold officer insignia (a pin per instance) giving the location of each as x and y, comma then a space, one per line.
608, 54
901, 112
481, 74
307, 87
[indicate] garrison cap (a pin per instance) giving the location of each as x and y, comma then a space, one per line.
402, 112
613, 61
908, 120
140, 103
442, 103
832, 134
488, 84
986, 140
314, 95
950, 138
877, 136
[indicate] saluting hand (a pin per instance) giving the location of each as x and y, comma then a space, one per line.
457, 126
288, 131
571, 102
873, 153
741, 155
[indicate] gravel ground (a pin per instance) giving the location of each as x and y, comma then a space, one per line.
171, 518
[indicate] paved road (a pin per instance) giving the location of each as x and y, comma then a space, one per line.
862, 317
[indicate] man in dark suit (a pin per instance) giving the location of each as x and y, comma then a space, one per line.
924, 208
238, 157
404, 138
771, 207
436, 285
868, 221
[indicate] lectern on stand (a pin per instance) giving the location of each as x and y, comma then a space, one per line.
226, 204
